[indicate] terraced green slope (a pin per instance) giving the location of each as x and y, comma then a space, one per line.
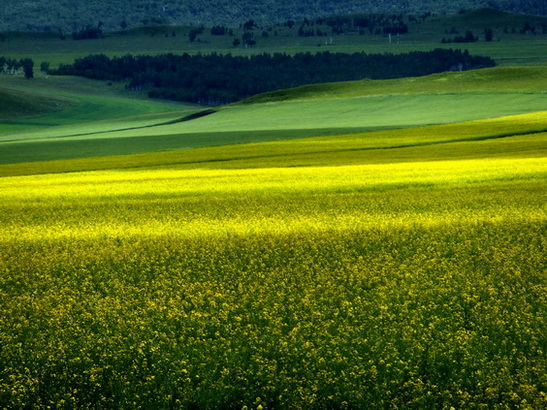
520, 136
109, 123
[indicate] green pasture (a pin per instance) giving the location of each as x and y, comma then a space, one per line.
239, 125
508, 48
517, 52
109, 122
68, 106
506, 137
15, 104
499, 79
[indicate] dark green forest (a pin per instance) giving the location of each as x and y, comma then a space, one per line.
74, 15
219, 79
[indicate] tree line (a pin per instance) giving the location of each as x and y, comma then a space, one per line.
219, 79
52, 15
13, 66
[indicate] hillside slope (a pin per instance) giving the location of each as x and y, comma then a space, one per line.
500, 79
74, 14
129, 127
20, 104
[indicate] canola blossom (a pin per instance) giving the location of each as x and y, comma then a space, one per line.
185, 202
411, 285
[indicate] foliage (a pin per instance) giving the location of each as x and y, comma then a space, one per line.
9, 65
468, 38
44, 66
87, 33
219, 79
28, 67
77, 14
194, 33
12, 66
519, 38
372, 24
219, 30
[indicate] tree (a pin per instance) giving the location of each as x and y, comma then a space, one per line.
249, 25
87, 33
470, 37
44, 67
218, 79
248, 39
28, 67
219, 31
488, 34
194, 33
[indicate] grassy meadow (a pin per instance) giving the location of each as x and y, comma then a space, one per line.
126, 125
374, 244
510, 46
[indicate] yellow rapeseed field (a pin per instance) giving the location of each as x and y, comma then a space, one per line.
411, 285
150, 202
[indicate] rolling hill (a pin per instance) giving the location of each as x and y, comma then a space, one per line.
109, 123
363, 244
21, 104
77, 14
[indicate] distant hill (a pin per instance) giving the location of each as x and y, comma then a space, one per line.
18, 104
72, 15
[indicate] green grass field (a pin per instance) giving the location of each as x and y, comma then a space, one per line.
119, 125
508, 48
374, 244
